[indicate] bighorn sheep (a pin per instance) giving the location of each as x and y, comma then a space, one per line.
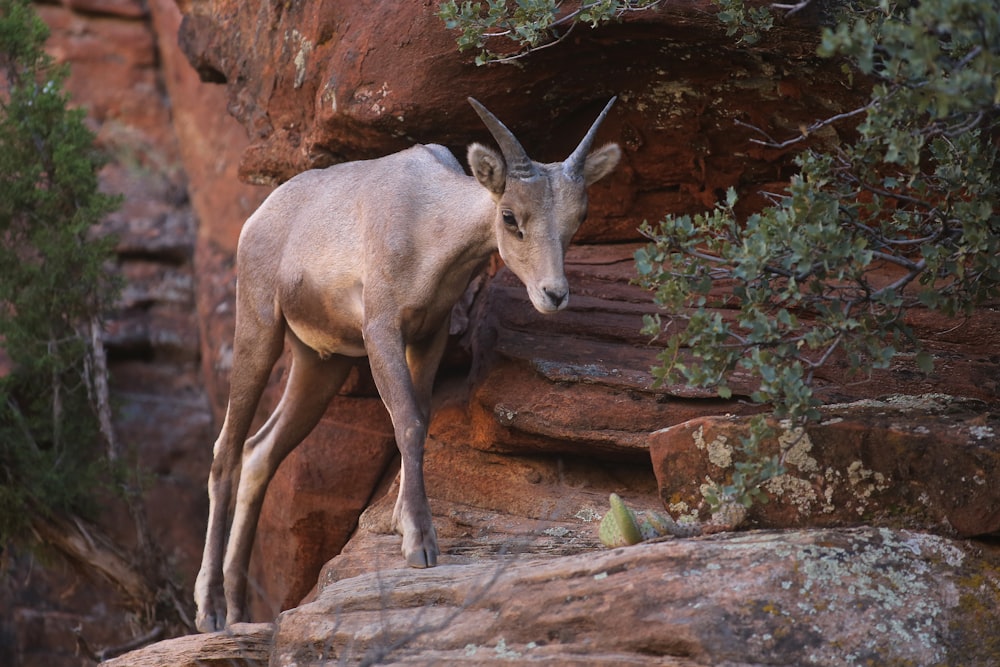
368, 258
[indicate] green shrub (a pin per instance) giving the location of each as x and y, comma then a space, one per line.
916, 191
53, 286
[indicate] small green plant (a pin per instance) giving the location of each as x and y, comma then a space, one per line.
53, 286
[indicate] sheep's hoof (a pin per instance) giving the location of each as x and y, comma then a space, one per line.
421, 558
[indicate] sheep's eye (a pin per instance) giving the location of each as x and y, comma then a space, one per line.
510, 222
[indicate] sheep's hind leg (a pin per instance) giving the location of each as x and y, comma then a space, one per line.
256, 348
312, 384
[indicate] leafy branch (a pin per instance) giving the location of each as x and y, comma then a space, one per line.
530, 26
503, 32
913, 196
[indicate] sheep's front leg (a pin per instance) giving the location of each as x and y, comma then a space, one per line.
410, 416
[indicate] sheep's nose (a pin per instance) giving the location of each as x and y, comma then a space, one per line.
556, 297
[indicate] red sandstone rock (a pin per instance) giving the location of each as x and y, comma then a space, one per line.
579, 381
312, 506
821, 597
122, 8
487, 504
114, 76
906, 461
318, 82
211, 143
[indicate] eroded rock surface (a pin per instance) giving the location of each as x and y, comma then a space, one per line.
819, 597
909, 461
816, 597
319, 82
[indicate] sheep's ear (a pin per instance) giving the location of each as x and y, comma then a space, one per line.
488, 168
600, 163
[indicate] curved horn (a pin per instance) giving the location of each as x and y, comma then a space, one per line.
519, 165
574, 163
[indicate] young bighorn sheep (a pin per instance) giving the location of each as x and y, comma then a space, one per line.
368, 258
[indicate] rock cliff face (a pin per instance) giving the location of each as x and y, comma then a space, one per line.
319, 82
865, 555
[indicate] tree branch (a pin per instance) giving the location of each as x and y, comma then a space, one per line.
773, 143
86, 544
96, 367
792, 9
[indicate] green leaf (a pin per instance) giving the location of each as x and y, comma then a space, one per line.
925, 361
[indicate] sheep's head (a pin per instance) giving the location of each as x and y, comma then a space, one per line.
539, 206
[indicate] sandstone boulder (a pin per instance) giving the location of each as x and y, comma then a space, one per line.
818, 597
243, 645
760, 598
909, 461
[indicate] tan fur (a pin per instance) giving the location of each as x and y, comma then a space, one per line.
367, 259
